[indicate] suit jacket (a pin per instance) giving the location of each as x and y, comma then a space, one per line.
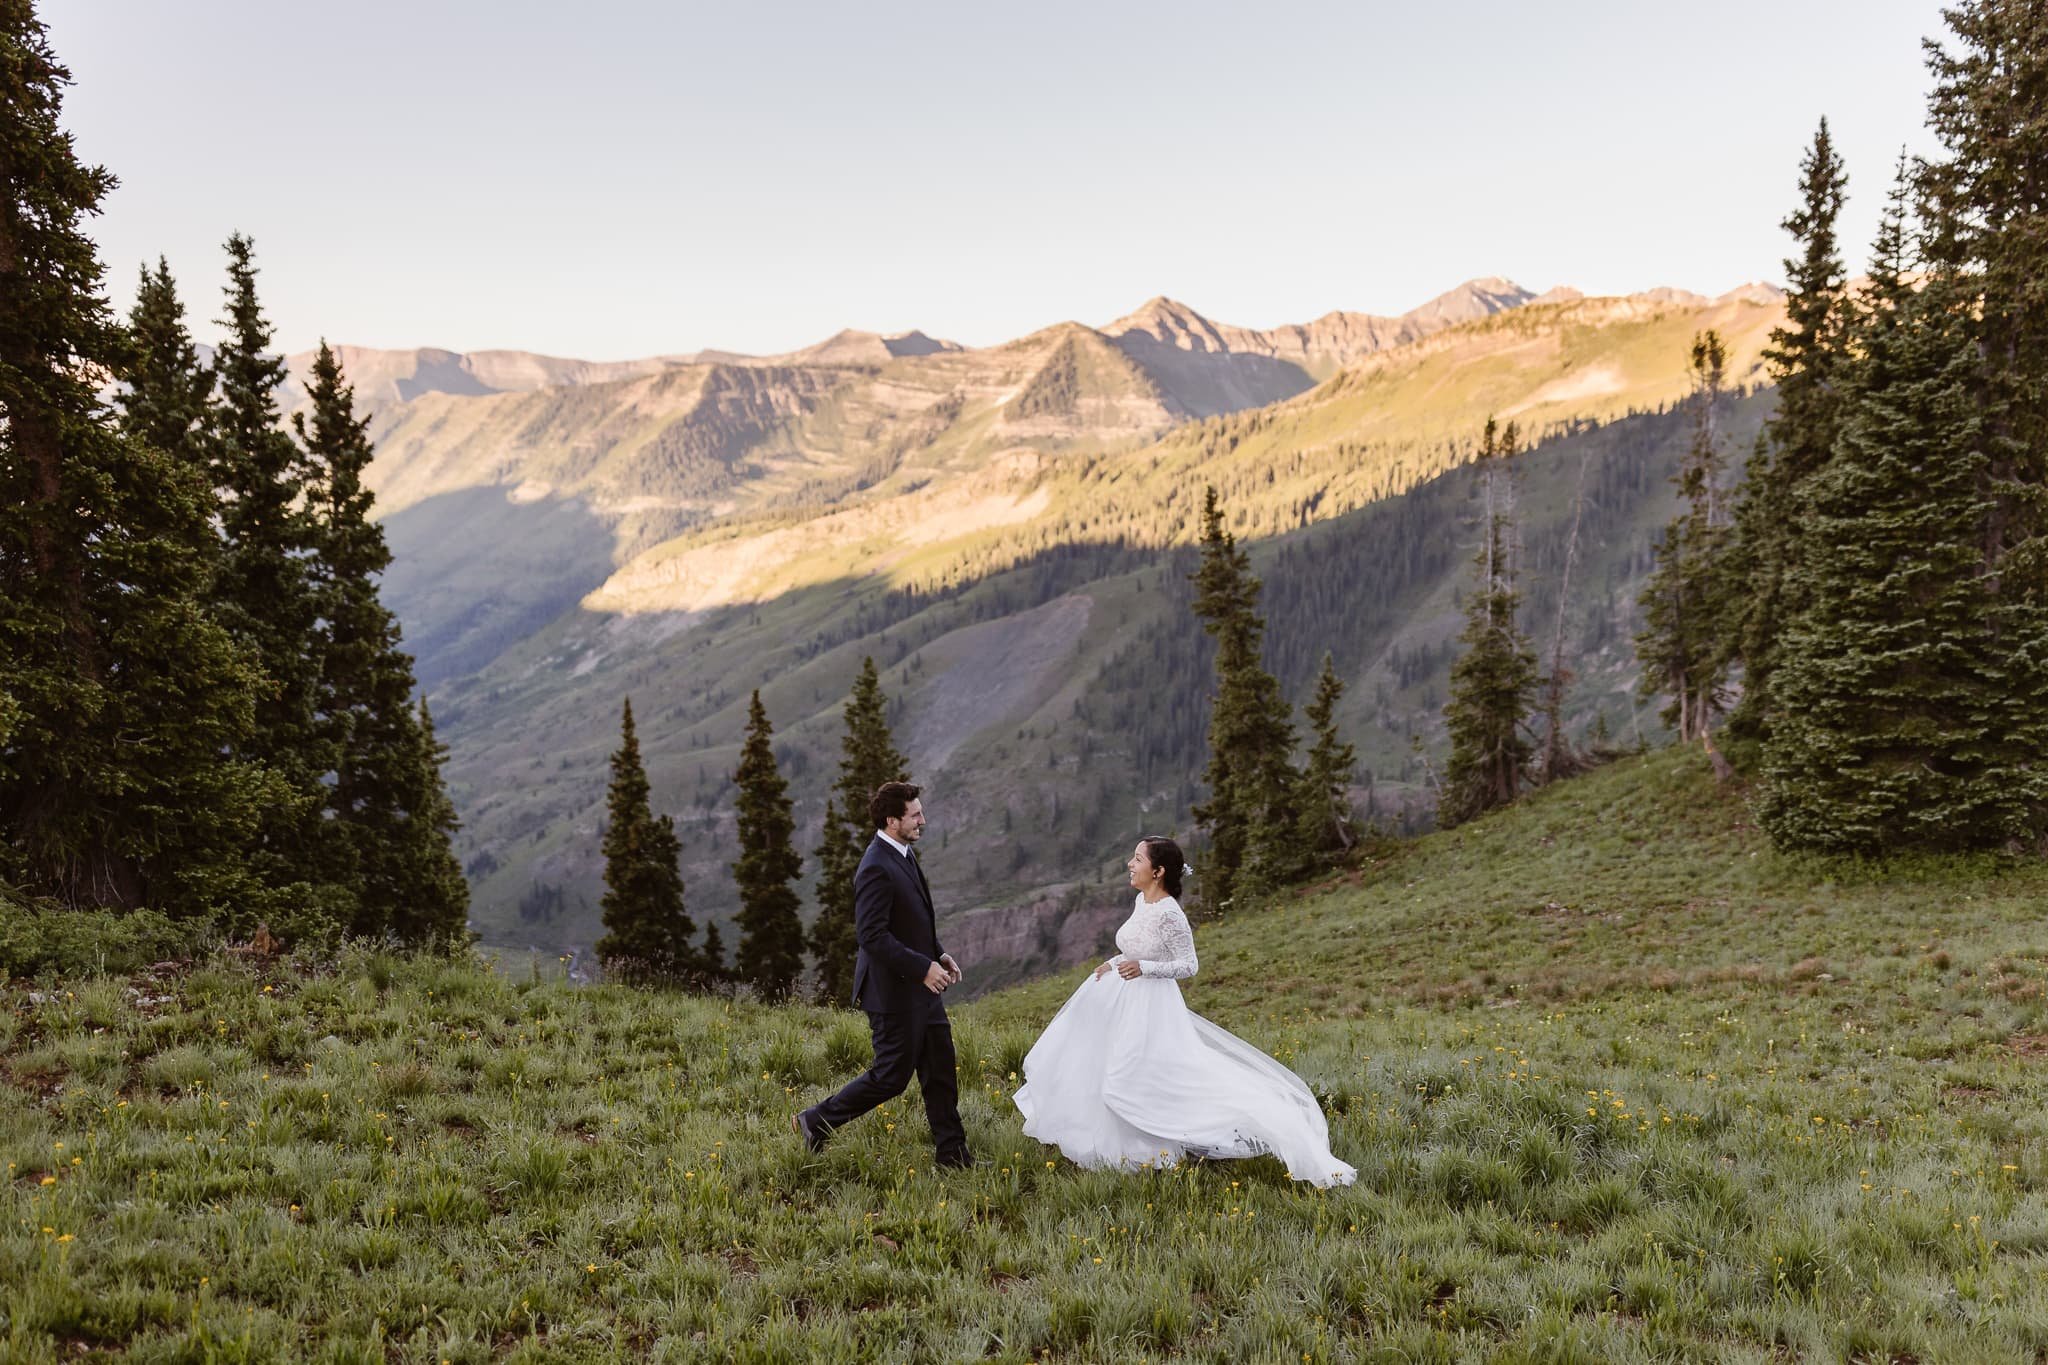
898, 932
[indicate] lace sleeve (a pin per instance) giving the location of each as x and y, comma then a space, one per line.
1176, 946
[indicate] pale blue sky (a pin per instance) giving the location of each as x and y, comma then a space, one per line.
608, 180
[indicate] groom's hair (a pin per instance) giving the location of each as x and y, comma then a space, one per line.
890, 800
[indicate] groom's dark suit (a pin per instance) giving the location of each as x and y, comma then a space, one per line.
899, 940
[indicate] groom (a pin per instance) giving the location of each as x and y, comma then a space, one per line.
898, 978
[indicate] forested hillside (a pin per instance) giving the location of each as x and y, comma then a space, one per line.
1047, 678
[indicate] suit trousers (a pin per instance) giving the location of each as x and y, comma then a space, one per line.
918, 1043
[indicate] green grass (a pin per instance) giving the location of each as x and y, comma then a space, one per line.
1621, 1084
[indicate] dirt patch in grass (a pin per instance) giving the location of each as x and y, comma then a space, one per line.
2032, 1046
1968, 1093
43, 1080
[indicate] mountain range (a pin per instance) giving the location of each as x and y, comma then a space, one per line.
1006, 530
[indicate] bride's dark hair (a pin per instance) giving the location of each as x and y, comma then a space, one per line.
1164, 854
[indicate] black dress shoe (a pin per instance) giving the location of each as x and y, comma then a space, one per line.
956, 1161
804, 1127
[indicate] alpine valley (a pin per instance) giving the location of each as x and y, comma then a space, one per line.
1007, 531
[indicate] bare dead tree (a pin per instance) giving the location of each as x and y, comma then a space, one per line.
1558, 759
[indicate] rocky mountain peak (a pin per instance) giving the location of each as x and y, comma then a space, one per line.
1470, 301
1757, 291
1172, 323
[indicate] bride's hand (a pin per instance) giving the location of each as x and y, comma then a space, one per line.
1099, 971
1128, 970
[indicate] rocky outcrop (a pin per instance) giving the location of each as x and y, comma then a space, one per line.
1757, 292
852, 348
1312, 348
385, 379
1059, 926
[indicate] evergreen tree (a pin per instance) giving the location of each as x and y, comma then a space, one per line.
1323, 807
1805, 355
771, 955
1987, 223
1986, 232
1686, 604
831, 938
167, 391
647, 932
712, 968
268, 592
1494, 679
868, 759
1895, 694
1250, 775
374, 841
123, 696
434, 907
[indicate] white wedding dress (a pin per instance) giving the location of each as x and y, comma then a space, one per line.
1126, 1075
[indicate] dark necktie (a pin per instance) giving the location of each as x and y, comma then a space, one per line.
924, 886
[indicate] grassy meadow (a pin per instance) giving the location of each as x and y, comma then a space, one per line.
1621, 1085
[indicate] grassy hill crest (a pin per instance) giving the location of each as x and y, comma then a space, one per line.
1622, 1085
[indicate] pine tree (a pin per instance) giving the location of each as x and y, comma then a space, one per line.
831, 938
1686, 603
268, 593
1892, 685
373, 841
647, 932
1493, 680
123, 697
1805, 355
771, 955
1323, 806
1986, 233
167, 390
1250, 774
868, 759
712, 969
433, 909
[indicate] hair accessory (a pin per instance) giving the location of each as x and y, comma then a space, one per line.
1187, 869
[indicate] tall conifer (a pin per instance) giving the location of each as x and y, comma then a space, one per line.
375, 839
831, 937
1323, 808
167, 390
1986, 227
1250, 774
269, 595
771, 953
1493, 681
1805, 355
868, 758
647, 931
434, 908
1892, 687
123, 697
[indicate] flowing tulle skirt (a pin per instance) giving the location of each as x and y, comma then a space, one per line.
1126, 1075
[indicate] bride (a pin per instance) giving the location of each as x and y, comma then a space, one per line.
1126, 1075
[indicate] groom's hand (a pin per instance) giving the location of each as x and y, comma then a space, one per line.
936, 979
952, 967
